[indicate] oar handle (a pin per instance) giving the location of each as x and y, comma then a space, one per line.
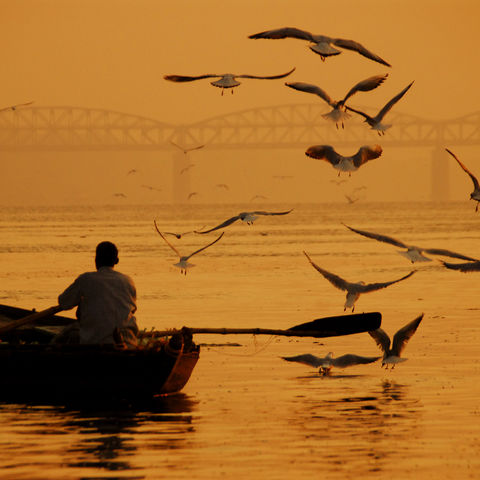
31, 318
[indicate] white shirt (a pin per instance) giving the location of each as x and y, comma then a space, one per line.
106, 299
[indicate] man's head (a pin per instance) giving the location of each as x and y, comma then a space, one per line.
106, 255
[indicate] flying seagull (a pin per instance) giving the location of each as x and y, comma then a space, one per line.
413, 253
464, 267
475, 195
376, 121
391, 356
248, 217
341, 163
350, 199
150, 187
187, 168
338, 182
183, 264
14, 107
226, 80
321, 44
326, 363
185, 150
177, 235
354, 290
338, 112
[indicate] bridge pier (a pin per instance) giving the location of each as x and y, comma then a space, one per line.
181, 177
440, 190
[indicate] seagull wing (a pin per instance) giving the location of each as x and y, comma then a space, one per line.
464, 267
352, 45
381, 339
448, 253
271, 77
306, 359
226, 223
309, 88
472, 176
259, 212
351, 359
366, 153
187, 78
206, 246
401, 338
285, 32
324, 152
177, 145
388, 106
187, 168
166, 241
366, 85
363, 114
335, 280
380, 238
371, 287
14, 107
194, 148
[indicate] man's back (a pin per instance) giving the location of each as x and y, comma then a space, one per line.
106, 300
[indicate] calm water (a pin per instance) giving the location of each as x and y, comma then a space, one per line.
246, 412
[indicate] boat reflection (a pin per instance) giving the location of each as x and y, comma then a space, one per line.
105, 437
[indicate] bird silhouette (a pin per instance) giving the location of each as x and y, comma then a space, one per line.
376, 121
354, 290
338, 113
183, 263
320, 44
391, 356
475, 195
225, 80
187, 168
413, 253
14, 107
342, 163
247, 217
185, 150
326, 363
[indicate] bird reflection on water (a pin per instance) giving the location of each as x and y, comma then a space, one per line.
360, 427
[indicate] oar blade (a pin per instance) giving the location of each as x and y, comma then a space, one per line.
342, 324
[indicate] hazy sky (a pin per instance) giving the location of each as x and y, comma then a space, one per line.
112, 54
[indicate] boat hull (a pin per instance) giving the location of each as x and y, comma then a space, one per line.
32, 369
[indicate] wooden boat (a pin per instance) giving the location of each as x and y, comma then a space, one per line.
32, 366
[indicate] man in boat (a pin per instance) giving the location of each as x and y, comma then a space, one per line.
105, 301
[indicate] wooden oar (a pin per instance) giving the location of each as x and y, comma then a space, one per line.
31, 318
322, 327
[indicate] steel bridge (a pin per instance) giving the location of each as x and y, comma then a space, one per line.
291, 126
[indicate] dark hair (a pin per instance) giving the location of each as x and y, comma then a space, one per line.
106, 255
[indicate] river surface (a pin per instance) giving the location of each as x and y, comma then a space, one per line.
246, 413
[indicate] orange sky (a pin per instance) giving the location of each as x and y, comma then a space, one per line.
112, 54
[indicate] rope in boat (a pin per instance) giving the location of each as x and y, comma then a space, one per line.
256, 352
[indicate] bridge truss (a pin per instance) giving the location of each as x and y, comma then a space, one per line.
290, 126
